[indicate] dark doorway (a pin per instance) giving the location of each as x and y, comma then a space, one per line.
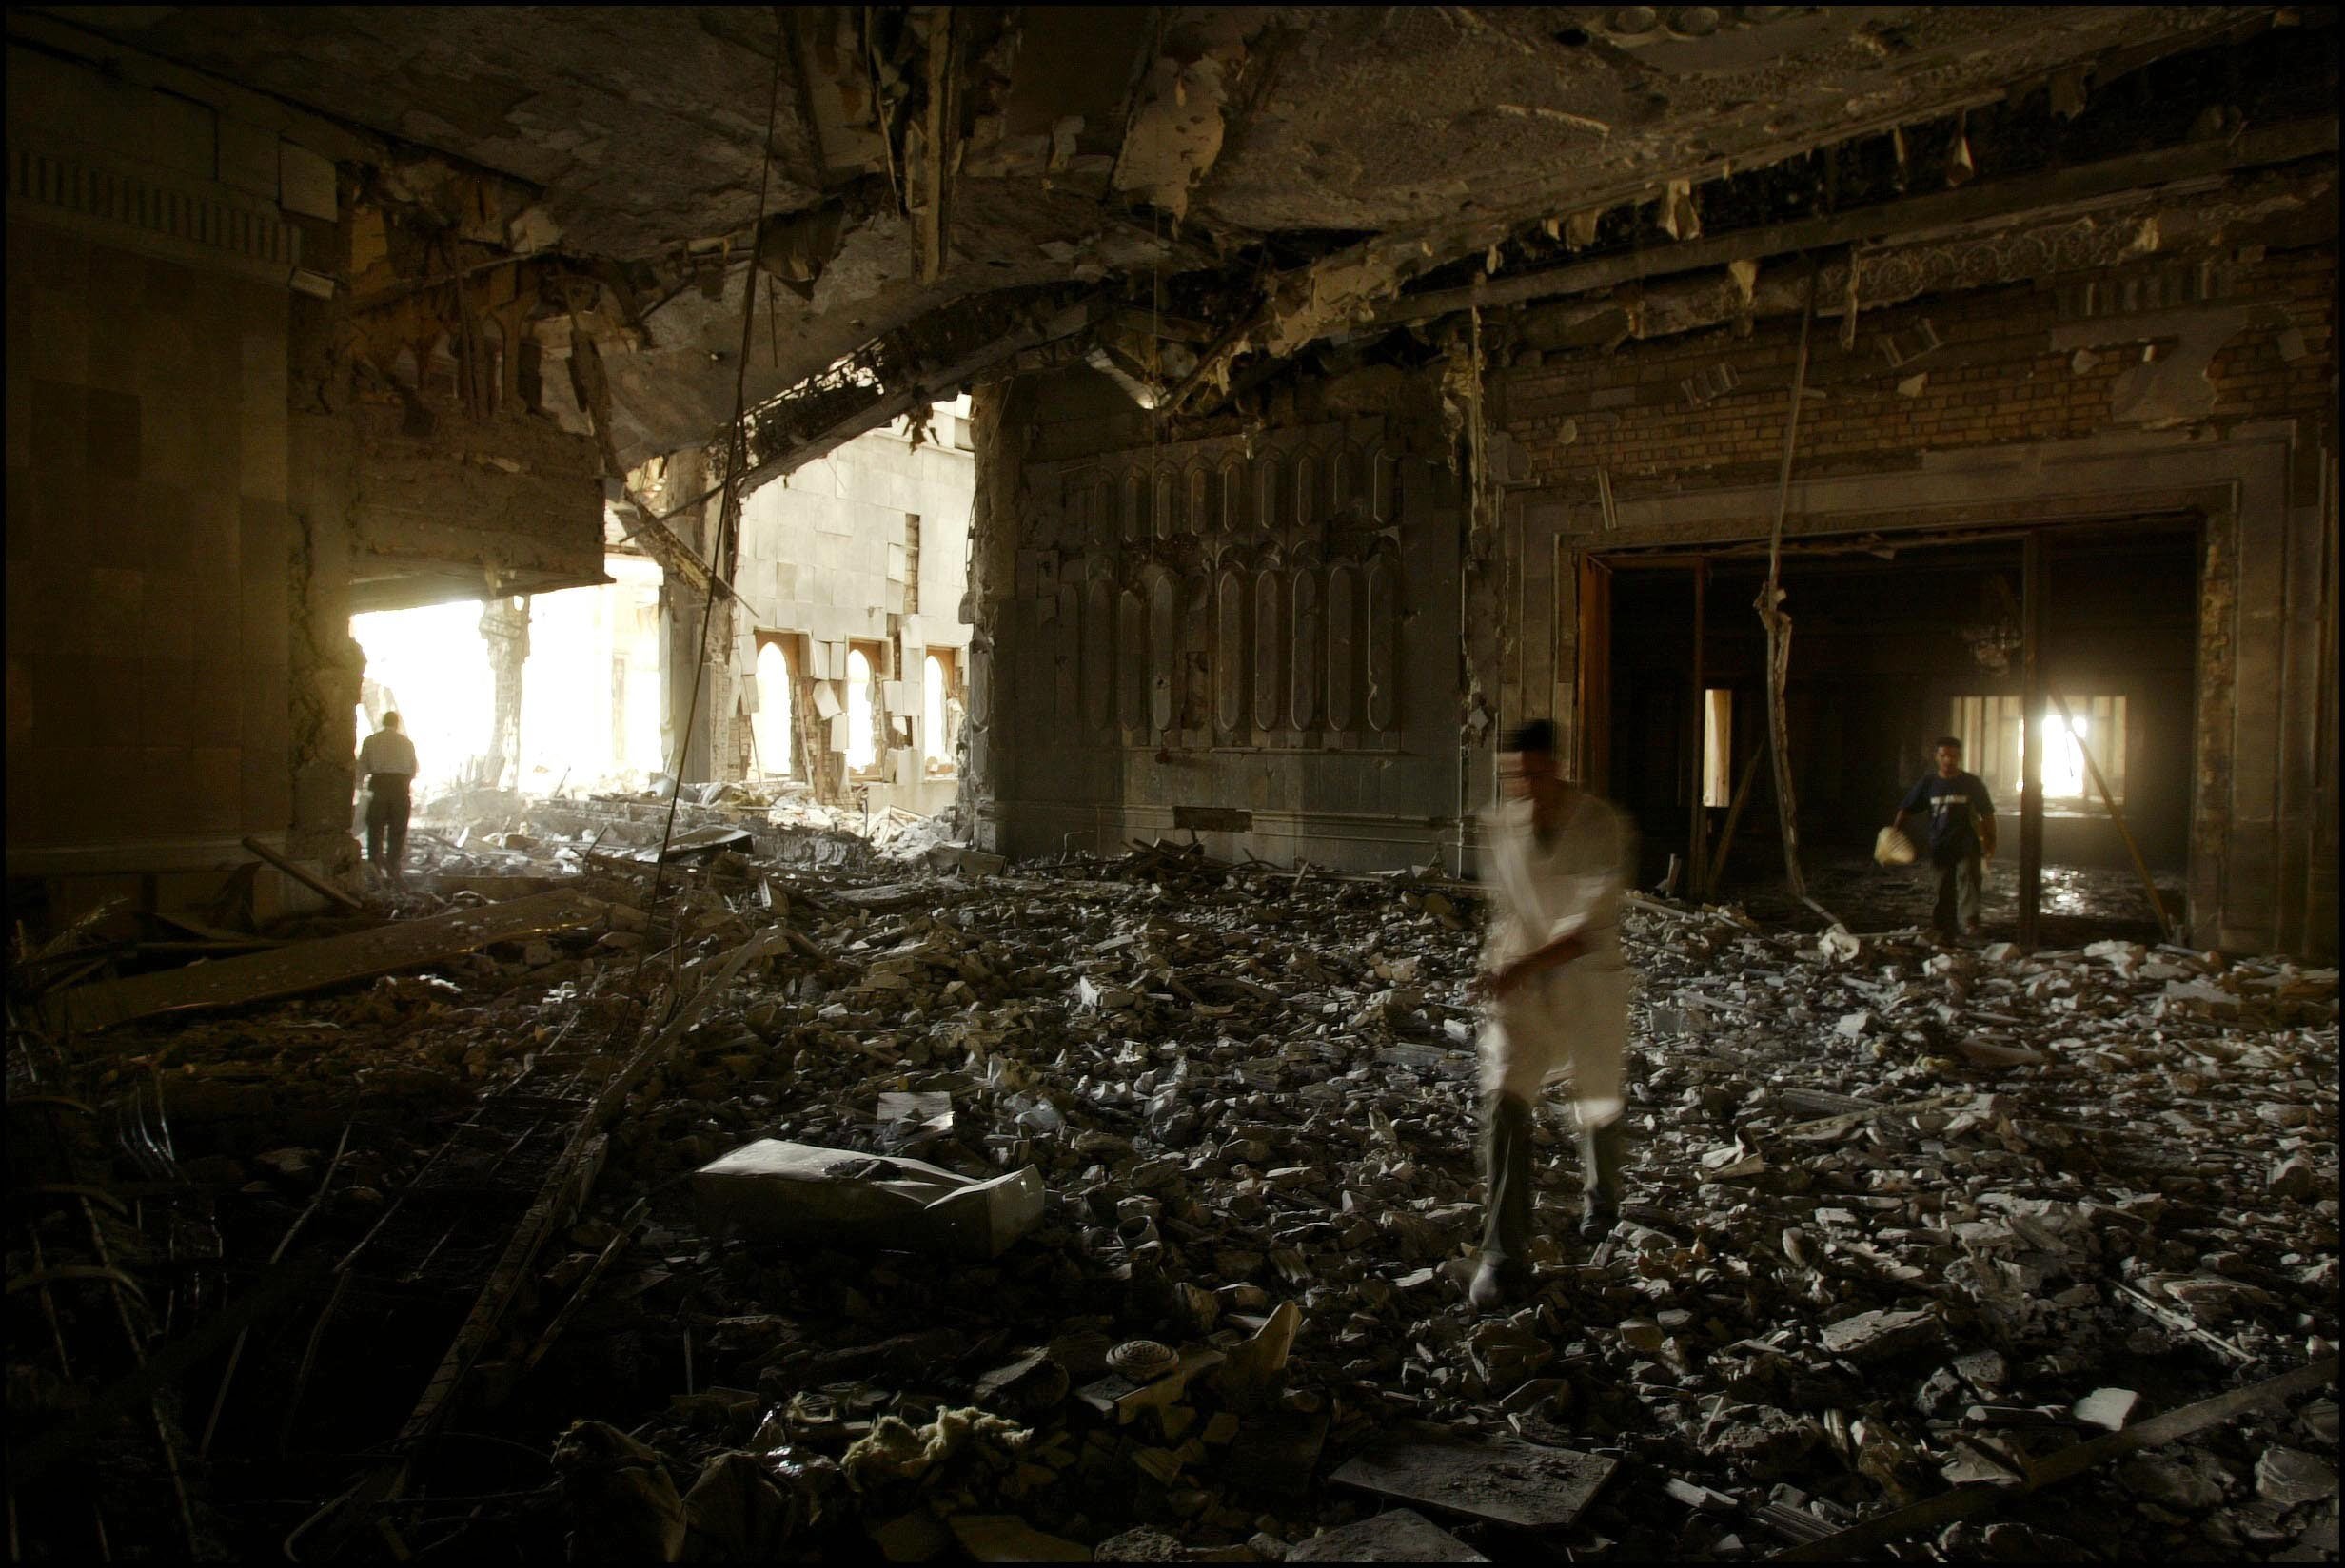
1894, 643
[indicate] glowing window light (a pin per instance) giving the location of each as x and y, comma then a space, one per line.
931, 709
862, 732
769, 725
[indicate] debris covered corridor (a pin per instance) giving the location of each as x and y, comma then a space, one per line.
770, 776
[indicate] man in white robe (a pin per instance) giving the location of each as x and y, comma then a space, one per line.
1557, 860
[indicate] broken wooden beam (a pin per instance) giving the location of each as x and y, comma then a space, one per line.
315, 964
2116, 816
560, 1198
306, 877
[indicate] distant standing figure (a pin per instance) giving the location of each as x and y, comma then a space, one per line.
387, 759
1555, 996
1961, 836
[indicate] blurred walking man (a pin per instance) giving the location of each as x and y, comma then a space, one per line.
1555, 992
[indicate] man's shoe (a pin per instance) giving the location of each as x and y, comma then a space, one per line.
1597, 1220
1496, 1284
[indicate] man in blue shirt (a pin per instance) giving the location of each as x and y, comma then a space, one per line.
1961, 836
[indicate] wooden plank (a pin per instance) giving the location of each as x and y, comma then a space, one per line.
304, 876
2133, 851
560, 1199
315, 964
1778, 624
1734, 818
1505, 1479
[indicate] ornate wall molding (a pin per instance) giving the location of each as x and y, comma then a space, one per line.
180, 220
1234, 592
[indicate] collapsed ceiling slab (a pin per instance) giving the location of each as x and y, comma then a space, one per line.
1310, 163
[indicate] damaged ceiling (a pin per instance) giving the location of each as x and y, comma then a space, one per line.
1305, 163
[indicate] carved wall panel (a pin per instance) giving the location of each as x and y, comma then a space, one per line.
1135, 503
1195, 688
1308, 627
1163, 647
1064, 631
1098, 659
1233, 591
1132, 668
1270, 511
1342, 648
1230, 652
1384, 641
1269, 653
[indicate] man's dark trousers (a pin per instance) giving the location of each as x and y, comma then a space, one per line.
387, 805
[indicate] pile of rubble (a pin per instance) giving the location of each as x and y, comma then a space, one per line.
1120, 1223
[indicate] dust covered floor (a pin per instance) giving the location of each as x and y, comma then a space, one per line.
1898, 1220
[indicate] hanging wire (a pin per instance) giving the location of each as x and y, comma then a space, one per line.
729, 512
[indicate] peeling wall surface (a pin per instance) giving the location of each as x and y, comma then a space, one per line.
1264, 623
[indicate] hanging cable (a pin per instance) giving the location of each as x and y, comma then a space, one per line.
729, 512
1778, 624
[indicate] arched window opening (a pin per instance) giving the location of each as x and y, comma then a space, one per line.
936, 730
769, 725
862, 729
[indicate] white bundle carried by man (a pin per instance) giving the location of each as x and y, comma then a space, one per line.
1894, 849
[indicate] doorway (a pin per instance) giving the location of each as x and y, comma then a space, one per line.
1898, 642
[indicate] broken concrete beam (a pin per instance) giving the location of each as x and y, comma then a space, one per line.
783, 1192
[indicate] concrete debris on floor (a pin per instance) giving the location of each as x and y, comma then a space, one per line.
1177, 1274
1198, 784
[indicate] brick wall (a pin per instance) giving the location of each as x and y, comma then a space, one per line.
1997, 378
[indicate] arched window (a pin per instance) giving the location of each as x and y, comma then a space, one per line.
769, 725
937, 742
862, 732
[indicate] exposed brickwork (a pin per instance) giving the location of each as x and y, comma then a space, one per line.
1994, 379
